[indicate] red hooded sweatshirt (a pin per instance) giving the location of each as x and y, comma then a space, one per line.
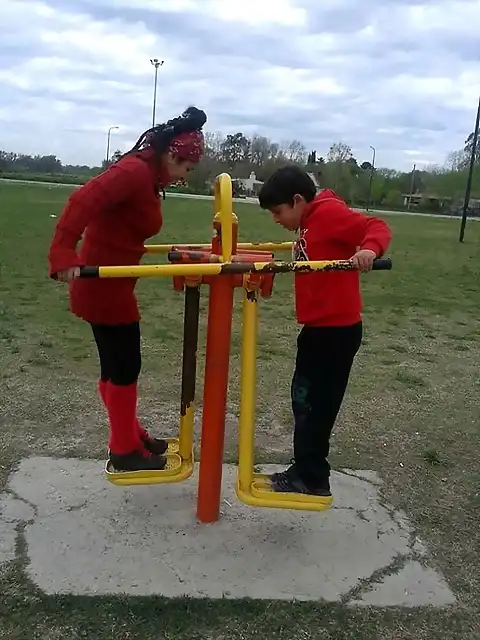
330, 230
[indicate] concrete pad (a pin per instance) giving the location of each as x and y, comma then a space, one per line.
89, 537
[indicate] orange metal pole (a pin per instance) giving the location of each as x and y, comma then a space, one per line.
217, 364
220, 309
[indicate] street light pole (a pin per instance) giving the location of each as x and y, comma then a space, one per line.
468, 188
371, 177
107, 156
156, 63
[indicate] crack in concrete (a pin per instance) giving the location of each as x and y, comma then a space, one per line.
20, 523
361, 515
11, 492
400, 519
352, 474
365, 584
399, 562
21, 547
75, 507
174, 570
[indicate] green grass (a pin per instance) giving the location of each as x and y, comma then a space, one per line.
411, 415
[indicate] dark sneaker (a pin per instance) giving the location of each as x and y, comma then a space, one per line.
290, 482
275, 477
155, 445
135, 461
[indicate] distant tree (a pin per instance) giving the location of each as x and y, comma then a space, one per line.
235, 148
213, 145
457, 160
469, 147
339, 152
295, 152
262, 150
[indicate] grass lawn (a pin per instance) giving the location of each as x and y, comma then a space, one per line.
412, 414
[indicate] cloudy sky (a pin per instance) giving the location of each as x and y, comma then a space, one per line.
400, 75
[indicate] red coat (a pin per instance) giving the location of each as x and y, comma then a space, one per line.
116, 212
330, 230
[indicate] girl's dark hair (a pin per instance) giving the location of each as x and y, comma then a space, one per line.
159, 137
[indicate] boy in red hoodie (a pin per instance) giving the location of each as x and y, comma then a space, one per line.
328, 305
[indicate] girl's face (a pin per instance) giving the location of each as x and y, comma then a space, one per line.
177, 169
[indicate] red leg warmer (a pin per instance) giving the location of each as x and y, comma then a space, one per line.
102, 390
122, 411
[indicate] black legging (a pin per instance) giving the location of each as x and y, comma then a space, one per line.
119, 352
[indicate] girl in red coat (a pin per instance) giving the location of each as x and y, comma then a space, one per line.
116, 212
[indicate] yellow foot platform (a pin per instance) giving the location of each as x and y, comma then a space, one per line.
176, 470
262, 495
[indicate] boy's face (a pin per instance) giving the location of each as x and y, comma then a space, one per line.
287, 216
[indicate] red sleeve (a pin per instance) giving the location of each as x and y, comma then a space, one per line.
117, 184
357, 229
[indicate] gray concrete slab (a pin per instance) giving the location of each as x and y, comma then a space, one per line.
85, 536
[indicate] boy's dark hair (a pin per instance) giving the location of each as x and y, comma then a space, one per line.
285, 183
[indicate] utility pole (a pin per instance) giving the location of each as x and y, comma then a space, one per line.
468, 188
107, 156
372, 170
156, 63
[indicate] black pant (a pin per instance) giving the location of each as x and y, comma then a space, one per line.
119, 352
324, 359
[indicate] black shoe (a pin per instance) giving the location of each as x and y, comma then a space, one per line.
275, 477
136, 462
156, 446
290, 482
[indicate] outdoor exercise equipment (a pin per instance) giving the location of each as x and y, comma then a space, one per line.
223, 266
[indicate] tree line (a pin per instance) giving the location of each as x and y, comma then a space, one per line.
438, 188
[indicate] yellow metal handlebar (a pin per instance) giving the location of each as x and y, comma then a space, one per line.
230, 268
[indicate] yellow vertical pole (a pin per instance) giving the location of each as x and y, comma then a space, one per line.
224, 207
248, 383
